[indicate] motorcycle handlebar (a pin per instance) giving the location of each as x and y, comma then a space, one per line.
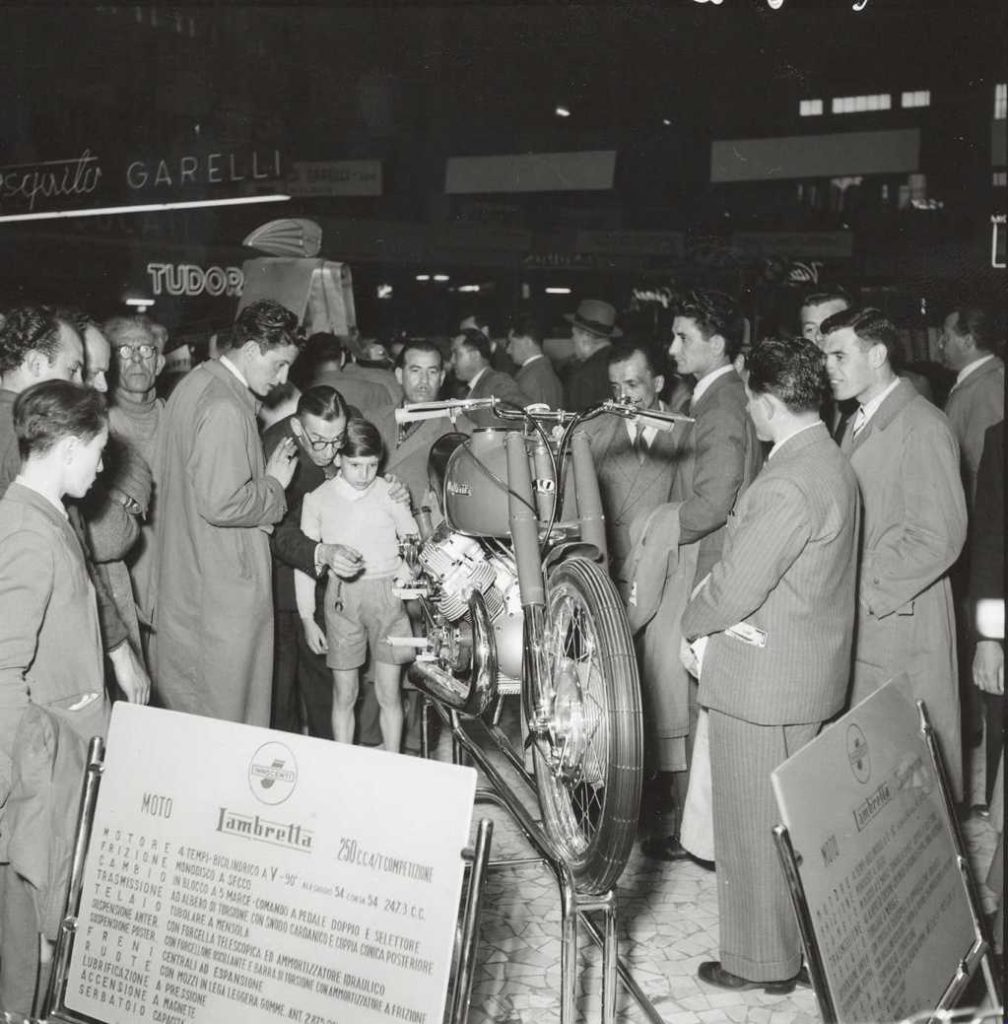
453, 407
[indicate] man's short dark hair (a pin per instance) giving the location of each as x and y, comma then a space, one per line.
985, 324
832, 294
871, 327
268, 324
715, 313
625, 349
791, 369
321, 347
30, 329
477, 341
526, 325
324, 402
46, 413
418, 345
363, 439
80, 320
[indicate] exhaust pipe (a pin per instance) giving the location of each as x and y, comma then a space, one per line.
472, 694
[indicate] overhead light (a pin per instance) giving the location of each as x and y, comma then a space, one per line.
141, 304
105, 211
468, 287
441, 277
384, 291
423, 277
558, 291
562, 111
665, 121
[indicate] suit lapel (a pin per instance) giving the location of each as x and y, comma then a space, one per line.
903, 394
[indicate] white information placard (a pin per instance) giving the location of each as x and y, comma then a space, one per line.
238, 874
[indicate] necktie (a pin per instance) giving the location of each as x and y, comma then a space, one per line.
859, 421
639, 443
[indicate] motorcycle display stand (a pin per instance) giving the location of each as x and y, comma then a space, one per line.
575, 907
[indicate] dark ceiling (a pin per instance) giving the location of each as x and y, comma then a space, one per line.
330, 81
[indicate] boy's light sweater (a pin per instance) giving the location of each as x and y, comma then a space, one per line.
368, 520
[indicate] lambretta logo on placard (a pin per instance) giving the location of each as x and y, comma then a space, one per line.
250, 826
272, 773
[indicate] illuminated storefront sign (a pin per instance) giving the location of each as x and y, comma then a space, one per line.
188, 279
203, 169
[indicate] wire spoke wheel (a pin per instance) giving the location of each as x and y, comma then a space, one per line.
588, 773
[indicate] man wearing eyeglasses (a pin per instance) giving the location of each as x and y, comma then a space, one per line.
137, 345
299, 675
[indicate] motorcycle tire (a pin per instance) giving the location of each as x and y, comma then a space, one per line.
593, 819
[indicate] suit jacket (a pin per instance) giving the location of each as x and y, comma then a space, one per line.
587, 383
972, 407
539, 382
290, 548
499, 385
368, 397
631, 489
722, 456
907, 463
789, 568
407, 459
385, 379
50, 646
987, 564
114, 629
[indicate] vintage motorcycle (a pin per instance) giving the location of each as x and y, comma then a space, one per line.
516, 597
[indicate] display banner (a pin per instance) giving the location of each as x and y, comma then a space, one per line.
867, 819
237, 875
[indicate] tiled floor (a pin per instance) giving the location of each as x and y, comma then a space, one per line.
668, 924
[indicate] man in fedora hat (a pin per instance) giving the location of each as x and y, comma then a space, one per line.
593, 328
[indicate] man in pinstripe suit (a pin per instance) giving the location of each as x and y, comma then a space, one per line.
778, 611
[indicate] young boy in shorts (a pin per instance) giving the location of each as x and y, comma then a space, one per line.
354, 509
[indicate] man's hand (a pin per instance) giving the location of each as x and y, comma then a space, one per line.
283, 462
988, 666
314, 637
130, 674
345, 562
398, 491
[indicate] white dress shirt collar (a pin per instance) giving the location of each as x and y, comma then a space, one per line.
224, 361
705, 382
865, 412
975, 365
784, 440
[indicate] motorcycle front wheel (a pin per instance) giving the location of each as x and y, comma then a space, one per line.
589, 776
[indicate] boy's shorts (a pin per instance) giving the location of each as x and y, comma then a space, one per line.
361, 613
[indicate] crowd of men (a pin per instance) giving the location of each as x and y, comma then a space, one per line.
823, 527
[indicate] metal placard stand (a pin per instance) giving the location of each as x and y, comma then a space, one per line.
336, 960
575, 907
876, 867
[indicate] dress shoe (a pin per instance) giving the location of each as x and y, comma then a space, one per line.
667, 848
713, 973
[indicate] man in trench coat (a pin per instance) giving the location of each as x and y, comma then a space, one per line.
914, 525
217, 499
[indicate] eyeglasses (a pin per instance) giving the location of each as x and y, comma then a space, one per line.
136, 351
320, 444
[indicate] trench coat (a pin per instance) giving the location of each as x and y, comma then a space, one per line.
212, 601
906, 459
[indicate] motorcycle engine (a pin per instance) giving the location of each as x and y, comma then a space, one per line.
456, 565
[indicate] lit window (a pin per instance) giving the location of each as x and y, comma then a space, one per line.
919, 98
1000, 179
810, 108
1000, 101
861, 104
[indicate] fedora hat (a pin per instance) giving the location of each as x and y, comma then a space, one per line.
595, 317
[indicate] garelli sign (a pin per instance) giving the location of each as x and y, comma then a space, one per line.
86, 180
203, 169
